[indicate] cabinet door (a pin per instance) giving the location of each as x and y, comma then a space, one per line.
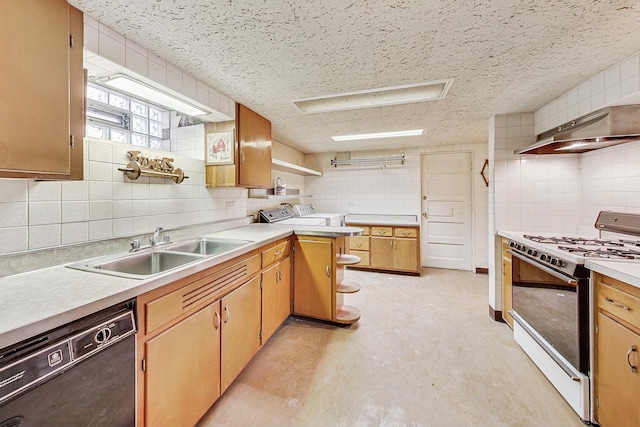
254, 149
507, 295
240, 329
381, 253
276, 297
405, 254
42, 81
617, 387
183, 370
313, 290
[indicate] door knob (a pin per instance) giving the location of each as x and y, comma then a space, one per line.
424, 214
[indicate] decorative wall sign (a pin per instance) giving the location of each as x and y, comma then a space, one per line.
160, 168
219, 148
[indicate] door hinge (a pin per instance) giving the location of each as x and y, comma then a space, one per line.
71, 41
72, 140
143, 365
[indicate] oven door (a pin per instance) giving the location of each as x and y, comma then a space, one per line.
556, 306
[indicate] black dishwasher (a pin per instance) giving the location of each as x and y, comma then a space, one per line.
80, 374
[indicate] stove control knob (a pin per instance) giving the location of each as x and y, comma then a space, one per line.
532, 252
544, 257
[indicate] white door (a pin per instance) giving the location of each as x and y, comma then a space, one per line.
446, 211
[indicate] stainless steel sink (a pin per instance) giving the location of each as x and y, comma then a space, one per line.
208, 246
137, 265
155, 260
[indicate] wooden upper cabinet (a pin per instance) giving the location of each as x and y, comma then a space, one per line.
42, 86
254, 149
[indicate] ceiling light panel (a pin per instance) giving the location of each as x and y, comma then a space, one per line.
405, 94
394, 134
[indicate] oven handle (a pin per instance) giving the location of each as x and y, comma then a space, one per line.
546, 269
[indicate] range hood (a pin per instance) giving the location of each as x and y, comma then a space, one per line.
600, 129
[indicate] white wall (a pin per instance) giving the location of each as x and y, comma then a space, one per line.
395, 189
562, 193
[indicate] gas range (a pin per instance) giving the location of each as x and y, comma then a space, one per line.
567, 253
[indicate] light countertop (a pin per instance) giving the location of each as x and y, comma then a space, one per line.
40, 300
628, 272
391, 220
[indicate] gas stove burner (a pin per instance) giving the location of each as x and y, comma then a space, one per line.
543, 239
579, 241
609, 253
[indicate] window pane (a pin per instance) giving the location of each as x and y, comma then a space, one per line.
118, 136
97, 95
155, 143
155, 128
138, 109
140, 124
155, 114
139, 140
118, 101
97, 132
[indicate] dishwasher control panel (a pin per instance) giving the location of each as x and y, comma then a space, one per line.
102, 335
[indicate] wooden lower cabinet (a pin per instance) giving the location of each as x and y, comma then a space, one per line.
183, 370
314, 277
616, 353
240, 329
507, 295
391, 248
617, 385
276, 295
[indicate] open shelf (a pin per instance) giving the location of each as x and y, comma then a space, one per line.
347, 315
346, 259
348, 287
281, 165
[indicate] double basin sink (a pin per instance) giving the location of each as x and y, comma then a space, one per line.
159, 259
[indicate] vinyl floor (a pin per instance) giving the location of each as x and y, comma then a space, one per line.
424, 353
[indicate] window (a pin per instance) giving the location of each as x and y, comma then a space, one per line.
121, 118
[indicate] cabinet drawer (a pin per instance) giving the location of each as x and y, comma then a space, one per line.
362, 254
405, 232
209, 288
275, 253
382, 231
359, 243
619, 303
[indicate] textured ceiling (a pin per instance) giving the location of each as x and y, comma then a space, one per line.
505, 56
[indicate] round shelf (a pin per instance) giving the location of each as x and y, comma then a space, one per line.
347, 259
348, 287
347, 315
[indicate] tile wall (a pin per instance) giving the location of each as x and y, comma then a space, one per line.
106, 204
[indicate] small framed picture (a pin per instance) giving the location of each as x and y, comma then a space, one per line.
219, 148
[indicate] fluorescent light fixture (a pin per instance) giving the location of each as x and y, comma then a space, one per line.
379, 97
394, 134
149, 93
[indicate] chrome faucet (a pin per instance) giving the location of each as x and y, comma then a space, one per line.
156, 236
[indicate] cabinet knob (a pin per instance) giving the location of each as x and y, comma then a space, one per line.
632, 349
242, 157
328, 271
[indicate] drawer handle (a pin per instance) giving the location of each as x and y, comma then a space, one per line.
405, 233
358, 244
216, 322
632, 349
382, 231
226, 314
617, 304
277, 253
